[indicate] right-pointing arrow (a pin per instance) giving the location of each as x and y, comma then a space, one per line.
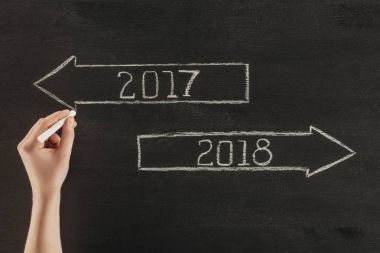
206, 151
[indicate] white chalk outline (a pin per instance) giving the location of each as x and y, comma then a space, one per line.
242, 133
74, 58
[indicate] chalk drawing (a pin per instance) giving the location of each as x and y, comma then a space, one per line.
230, 153
130, 79
262, 148
202, 154
171, 96
244, 153
194, 74
172, 84
144, 95
262, 145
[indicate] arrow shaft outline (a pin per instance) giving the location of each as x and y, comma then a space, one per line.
231, 133
220, 168
88, 102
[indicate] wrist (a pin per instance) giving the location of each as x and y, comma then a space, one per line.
46, 194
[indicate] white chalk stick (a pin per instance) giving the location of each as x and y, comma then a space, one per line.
54, 128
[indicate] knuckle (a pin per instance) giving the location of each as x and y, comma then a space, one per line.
39, 122
20, 146
23, 147
44, 122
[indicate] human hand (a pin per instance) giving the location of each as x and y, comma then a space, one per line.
47, 164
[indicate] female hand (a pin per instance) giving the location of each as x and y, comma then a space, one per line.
47, 164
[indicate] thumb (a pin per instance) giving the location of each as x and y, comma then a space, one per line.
68, 134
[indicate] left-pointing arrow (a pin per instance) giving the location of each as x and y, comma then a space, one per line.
208, 83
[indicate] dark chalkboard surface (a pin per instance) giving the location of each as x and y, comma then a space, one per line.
177, 169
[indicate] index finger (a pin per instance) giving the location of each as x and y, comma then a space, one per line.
44, 124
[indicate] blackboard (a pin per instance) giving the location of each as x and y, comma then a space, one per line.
299, 78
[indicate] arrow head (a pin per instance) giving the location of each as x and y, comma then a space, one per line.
55, 82
347, 152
